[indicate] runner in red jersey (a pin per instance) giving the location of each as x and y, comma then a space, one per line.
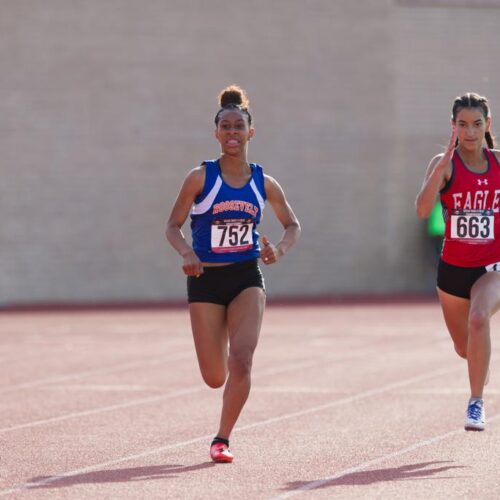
471, 202
467, 177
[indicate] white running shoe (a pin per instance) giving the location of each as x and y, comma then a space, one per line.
475, 418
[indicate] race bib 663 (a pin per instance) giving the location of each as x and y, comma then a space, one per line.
472, 225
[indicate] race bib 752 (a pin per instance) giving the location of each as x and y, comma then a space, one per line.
231, 235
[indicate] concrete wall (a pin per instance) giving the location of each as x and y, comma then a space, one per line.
106, 105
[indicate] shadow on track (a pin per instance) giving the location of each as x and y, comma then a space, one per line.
115, 475
403, 473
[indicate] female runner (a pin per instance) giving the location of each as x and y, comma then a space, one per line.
467, 177
226, 292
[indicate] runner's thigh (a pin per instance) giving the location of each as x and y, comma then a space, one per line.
244, 318
485, 293
208, 322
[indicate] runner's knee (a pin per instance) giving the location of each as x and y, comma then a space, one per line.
461, 351
214, 380
478, 321
240, 362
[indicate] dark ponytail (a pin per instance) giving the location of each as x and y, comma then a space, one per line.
490, 140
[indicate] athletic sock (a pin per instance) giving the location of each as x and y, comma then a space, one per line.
220, 440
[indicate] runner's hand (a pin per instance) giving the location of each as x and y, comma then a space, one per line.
192, 265
269, 253
450, 150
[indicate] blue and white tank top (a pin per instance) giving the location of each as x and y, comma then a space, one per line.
224, 219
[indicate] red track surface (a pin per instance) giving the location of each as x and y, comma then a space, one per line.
348, 401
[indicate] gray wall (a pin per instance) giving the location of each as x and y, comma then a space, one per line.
107, 104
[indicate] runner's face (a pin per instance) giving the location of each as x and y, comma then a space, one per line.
233, 131
471, 127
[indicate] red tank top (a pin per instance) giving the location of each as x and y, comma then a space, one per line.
471, 210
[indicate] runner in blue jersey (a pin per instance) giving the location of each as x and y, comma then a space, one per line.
226, 293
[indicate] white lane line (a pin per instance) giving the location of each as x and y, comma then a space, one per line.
286, 416
102, 409
376, 461
90, 468
104, 388
148, 400
127, 366
356, 397
298, 390
444, 391
154, 399
101, 371
9, 358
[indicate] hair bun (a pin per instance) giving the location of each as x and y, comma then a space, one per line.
233, 95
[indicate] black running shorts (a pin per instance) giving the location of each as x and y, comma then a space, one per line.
221, 284
457, 280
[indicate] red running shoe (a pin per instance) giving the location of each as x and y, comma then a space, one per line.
219, 452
